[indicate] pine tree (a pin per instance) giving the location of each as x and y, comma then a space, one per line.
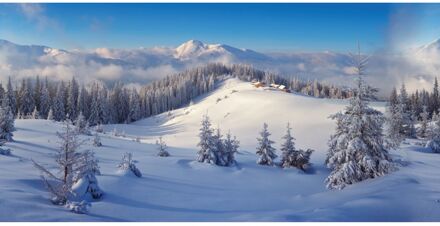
219, 148
6, 124
288, 149
162, 146
423, 130
434, 99
231, 146
72, 98
207, 146
45, 103
37, 93
67, 158
10, 99
134, 106
59, 113
265, 151
434, 141
356, 150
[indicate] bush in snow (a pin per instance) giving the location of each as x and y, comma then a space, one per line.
265, 151
207, 145
6, 124
127, 163
4, 151
86, 183
82, 125
231, 146
162, 146
78, 207
356, 150
97, 141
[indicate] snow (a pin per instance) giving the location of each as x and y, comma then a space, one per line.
178, 188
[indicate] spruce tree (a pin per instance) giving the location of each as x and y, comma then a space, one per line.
288, 149
423, 130
265, 151
6, 124
231, 145
207, 146
67, 158
356, 149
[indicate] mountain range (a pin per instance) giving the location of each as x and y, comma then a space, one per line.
145, 64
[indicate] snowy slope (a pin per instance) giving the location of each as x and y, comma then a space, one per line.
179, 189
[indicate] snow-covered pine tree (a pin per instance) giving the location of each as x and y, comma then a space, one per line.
44, 102
35, 114
434, 141
162, 147
407, 126
288, 149
292, 157
72, 98
58, 108
219, 148
134, 107
265, 151
67, 159
97, 140
302, 159
6, 124
356, 150
85, 182
10, 99
423, 129
207, 146
395, 130
231, 146
127, 164
82, 125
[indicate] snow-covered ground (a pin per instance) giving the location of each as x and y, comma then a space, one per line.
179, 189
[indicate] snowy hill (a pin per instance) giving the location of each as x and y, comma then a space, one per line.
179, 189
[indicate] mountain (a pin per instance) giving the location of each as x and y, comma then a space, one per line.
141, 65
145, 64
196, 49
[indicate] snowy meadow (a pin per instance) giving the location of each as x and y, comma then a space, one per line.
180, 187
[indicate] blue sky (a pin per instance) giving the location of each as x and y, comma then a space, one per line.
262, 27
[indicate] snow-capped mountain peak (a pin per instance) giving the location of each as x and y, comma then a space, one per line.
190, 48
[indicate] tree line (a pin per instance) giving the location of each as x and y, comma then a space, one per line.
99, 104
